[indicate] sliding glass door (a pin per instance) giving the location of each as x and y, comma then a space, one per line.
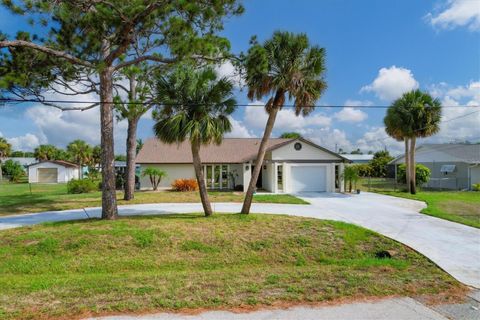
216, 176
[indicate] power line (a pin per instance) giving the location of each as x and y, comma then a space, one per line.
13, 100
443, 121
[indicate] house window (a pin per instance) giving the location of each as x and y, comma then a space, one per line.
447, 168
280, 178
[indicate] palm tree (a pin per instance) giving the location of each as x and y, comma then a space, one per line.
414, 115
80, 152
155, 175
5, 150
45, 152
395, 122
196, 106
284, 66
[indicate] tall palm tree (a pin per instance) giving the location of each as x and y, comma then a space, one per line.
81, 153
416, 114
5, 150
284, 66
195, 106
396, 122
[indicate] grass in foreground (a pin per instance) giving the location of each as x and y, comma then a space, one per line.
17, 198
457, 206
146, 264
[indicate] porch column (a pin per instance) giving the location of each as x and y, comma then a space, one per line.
275, 178
341, 179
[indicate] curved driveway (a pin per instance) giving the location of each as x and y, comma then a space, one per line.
454, 247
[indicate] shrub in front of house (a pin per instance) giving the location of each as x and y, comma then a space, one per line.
422, 174
183, 185
476, 187
13, 170
82, 186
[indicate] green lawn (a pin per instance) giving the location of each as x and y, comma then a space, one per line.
458, 206
148, 264
17, 198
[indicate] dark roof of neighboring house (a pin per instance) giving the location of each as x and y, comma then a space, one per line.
59, 162
232, 150
461, 152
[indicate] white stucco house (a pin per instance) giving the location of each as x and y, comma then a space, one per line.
290, 165
53, 171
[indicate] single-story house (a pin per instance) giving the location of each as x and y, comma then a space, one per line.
453, 166
290, 165
359, 158
53, 171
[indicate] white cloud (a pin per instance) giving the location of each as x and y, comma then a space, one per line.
256, 117
27, 142
351, 114
330, 139
238, 130
377, 139
61, 127
470, 91
458, 124
456, 13
391, 83
227, 70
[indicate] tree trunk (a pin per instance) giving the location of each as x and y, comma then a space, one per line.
413, 170
197, 165
247, 203
131, 154
109, 200
407, 164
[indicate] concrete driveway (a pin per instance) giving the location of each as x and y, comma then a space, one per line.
452, 246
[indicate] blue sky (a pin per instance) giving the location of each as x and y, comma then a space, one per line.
376, 49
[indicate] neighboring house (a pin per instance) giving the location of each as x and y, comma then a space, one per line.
359, 158
290, 165
24, 162
121, 167
452, 166
53, 171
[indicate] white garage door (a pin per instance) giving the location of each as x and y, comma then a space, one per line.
308, 178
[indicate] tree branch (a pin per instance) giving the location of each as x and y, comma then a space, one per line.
34, 46
141, 59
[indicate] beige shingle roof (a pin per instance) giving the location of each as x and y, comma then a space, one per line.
232, 150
